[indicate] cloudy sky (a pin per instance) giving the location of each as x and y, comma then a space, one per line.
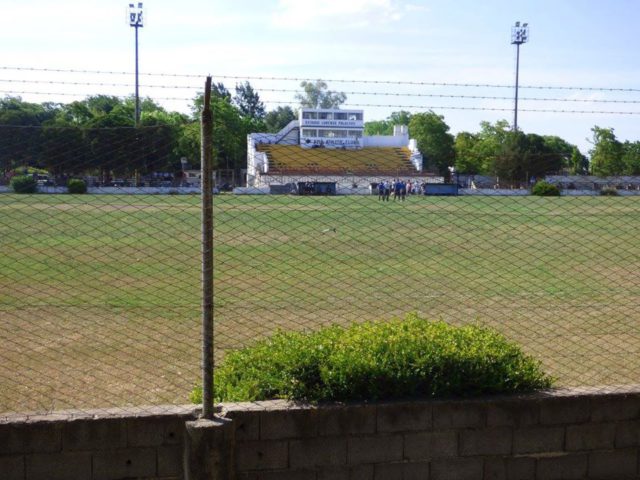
386, 55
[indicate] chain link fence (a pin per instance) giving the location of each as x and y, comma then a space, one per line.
100, 300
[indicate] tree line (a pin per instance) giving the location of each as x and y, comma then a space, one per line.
498, 150
96, 134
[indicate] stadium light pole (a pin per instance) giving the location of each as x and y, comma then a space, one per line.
135, 21
519, 35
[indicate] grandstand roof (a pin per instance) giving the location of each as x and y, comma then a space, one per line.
295, 160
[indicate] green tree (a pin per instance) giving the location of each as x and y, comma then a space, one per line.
606, 154
401, 117
492, 139
385, 127
468, 159
248, 101
579, 163
434, 141
277, 119
557, 147
510, 159
378, 127
317, 95
631, 158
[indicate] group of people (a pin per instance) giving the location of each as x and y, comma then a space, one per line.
398, 187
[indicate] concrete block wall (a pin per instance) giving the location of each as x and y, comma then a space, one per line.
561, 435
95, 445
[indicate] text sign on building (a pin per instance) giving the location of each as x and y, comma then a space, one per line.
331, 118
331, 142
331, 123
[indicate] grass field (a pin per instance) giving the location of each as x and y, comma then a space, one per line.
99, 295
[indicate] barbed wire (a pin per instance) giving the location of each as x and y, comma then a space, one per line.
284, 90
352, 104
336, 80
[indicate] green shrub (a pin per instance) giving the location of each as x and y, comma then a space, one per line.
609, 191
77, 186
377, 360
545, 189
24, 184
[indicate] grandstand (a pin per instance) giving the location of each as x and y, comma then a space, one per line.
329, 145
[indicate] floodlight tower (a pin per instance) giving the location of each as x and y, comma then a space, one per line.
135, 21
519, 35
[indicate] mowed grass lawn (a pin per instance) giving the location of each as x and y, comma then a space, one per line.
100, 306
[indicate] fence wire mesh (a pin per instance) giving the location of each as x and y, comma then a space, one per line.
100, 292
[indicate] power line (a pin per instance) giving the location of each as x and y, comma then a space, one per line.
336, 80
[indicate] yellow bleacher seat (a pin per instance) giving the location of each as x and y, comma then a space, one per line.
293, 159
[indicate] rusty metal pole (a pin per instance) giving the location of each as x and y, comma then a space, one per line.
206, 185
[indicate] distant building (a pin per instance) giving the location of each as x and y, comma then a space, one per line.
329, 145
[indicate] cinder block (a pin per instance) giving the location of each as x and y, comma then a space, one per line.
538, 440
44, 437
94, 434
628, 434
402, 417
317, 452
376, 449
458, 415
591, 436
333, 473
280, 424
124, 463
359, 472
246, 424
261, 455
11, 439
170, 460
562, 467
457, 469
570, 410
509, 468
613, 464
388, 471
58, 466
247, 476
612, 408
513, 414
154, 431
288, 475
486, 441
348, 420
416, 471
422, 446
12, 467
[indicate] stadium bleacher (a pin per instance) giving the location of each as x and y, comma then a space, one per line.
296, 160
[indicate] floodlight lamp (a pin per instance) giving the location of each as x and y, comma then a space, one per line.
520, 34
135, 15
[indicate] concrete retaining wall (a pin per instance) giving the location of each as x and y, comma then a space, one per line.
563, 434
95, 445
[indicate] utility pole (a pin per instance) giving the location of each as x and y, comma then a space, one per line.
519, 35
135, 21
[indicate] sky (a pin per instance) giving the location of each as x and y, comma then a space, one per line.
386, 55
